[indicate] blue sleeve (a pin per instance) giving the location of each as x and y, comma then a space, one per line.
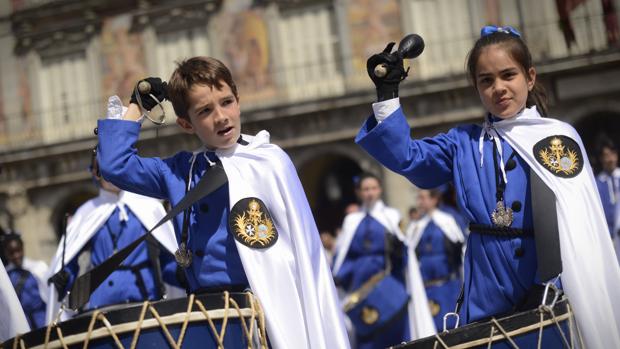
119, 161
427, 162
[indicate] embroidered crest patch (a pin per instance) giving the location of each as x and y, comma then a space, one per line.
369, 315
251, 224
434, 306
560, 155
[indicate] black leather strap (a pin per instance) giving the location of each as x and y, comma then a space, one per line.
84, 286
546, 227
499, 231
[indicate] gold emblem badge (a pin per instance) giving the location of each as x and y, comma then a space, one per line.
251, 224
560, 155
435, 308
369, 315
501, 215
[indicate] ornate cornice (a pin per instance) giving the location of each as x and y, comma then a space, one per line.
66, 26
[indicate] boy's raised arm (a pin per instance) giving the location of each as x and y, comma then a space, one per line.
118, 157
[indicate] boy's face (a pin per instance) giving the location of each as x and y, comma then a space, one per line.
14, 252
214, 116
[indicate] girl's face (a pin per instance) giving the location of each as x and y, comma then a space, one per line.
502, 83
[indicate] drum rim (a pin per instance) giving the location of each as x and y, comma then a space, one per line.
118, 317
515, 324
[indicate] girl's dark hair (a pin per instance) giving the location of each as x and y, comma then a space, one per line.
517, 49
365, 175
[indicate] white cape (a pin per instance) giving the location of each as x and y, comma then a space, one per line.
421, 322
443, 220
91, 216
12, 318
291, 278
591, 274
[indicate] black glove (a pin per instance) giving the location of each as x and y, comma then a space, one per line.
159, 89
60, 281
387, 86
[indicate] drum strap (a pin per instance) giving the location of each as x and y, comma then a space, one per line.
153, 250
84, 286
546, 232
21, 282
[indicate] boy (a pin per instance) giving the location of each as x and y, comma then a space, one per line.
25, 283
257, 232
103, 225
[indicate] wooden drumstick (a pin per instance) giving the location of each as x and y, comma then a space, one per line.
144, 87
381, 70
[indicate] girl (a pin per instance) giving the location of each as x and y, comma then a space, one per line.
437, 240
371, 236
492, 167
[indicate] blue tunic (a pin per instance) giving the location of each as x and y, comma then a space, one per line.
365, 258
440, 271
124, 284
215, 261
29, 297
605, 183
498, 271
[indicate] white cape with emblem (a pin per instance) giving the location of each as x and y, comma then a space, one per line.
291, 278
12, 318
421, 322
91, 216
591, 274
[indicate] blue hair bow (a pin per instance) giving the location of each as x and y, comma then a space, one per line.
490, 29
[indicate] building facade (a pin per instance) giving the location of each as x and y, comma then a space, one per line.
300, 69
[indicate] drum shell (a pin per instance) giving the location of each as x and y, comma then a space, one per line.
124, 321
522, 328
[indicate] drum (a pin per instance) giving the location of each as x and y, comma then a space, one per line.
222, 320
543, 327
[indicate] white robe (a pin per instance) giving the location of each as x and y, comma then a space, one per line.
91, 216
421, 322
291, 278
591, 274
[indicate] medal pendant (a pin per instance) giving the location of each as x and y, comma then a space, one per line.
183, 256
501, 216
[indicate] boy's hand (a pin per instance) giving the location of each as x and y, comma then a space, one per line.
392, 68
158, 89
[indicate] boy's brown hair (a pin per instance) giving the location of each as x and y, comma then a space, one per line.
197, 70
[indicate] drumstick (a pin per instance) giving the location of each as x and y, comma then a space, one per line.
409, 47
144, 87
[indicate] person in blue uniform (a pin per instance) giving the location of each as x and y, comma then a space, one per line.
24, 282
491, 166
608, 184
437, 241
255, 231
104, 225
371, 242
